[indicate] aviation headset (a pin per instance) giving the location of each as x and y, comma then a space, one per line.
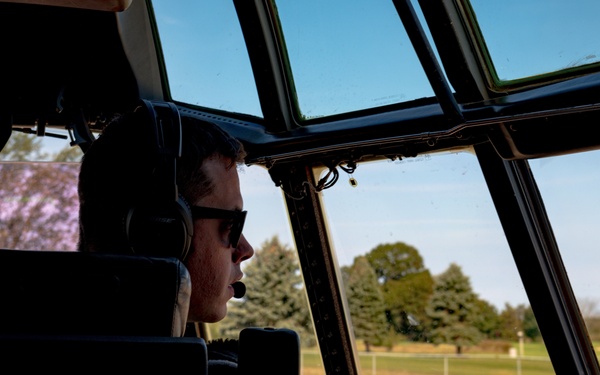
162, 226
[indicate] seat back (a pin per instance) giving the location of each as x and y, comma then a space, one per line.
73, 293
79, 354
71, 311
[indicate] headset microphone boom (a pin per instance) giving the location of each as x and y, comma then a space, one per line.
239, 289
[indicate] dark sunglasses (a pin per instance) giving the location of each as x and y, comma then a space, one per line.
237, 220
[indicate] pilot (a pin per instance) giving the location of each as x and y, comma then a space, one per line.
131, 174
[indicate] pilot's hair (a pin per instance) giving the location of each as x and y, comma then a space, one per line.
116, 172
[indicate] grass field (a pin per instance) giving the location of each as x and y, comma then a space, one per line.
428, 359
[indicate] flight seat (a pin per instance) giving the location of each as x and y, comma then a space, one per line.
113, 312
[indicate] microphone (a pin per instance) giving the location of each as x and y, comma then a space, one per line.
239, 289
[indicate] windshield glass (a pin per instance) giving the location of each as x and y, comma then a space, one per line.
343, 56
428, 273
39, 206
205, 55
569, 185
346, 56
535, 38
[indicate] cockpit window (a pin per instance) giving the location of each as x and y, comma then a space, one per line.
569, 185
346, 56
342, 56
205, 55
38, 196
537, 38
425, 263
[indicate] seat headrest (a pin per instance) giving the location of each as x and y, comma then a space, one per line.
63, 292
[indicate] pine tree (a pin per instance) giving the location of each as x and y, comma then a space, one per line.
275, 295
365, 301
452, 310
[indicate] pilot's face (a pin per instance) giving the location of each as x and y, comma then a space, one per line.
213, 263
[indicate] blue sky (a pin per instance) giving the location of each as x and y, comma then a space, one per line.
537, 37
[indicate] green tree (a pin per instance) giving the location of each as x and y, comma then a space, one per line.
38, 201
365, 301
519, 318
511, 322
486, 319
406, 285
591, 314
453, 310
68, 154
530, 326
275, 294
23, 147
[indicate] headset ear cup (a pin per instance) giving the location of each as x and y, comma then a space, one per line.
188, 223
162, 225
164, 231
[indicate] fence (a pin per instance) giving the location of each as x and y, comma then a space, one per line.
383, 363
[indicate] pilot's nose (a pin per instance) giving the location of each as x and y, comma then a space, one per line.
243, 251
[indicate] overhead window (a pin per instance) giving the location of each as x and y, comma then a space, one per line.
205, 55
349, 56
537, 38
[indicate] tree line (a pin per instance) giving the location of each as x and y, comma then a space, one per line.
420, 307
391, 297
